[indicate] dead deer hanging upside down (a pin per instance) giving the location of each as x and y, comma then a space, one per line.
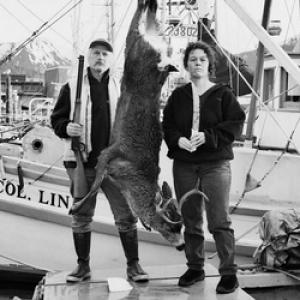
132, 159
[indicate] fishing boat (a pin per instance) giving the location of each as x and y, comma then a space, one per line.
35, 231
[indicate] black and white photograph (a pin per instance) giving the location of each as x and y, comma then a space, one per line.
149, 149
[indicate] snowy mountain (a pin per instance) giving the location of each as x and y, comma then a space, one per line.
32, 60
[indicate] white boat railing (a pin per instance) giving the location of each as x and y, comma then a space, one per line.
40, 108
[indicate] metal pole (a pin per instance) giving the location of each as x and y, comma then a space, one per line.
112, 23
0, 96
170, 7
216, 18
199, 28
8, 99
258, 73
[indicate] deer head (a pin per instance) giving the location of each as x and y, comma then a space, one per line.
167, 220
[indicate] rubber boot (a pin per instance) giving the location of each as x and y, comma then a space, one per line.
129, 242
82, 242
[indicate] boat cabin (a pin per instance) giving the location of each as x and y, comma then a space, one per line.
276, 81
281, 97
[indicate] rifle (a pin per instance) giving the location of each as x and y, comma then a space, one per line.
80, 186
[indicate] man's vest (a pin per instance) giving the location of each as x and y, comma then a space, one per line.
86, 112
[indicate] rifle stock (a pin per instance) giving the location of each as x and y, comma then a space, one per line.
80, 185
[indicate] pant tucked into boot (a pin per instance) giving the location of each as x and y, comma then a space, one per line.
129, 242
82, 242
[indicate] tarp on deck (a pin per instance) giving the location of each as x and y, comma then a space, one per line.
280, 233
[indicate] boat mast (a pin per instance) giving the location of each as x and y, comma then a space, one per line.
112, 23
215, 18
257, 76
76, 31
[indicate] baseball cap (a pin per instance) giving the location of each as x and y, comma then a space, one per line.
102, 42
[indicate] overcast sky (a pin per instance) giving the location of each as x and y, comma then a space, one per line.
20, 18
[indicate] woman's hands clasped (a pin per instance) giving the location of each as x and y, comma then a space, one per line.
197, 139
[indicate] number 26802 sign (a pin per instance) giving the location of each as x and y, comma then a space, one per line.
181, 31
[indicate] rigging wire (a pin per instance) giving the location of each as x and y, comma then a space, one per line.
60, 10
99, 24
290, 19
289, 139
123, 19
19, 21
38, 32
60, 17
250, 87
258, 183
46, 171
123, 45
92, 36
274, 97
35, 15
277, 70
20, 47
286, 148
29, 10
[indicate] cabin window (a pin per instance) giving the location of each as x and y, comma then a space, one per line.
290, 92
268, 87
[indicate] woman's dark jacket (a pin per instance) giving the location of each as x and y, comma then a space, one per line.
221, 120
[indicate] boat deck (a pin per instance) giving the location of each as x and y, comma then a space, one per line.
49, 245
162, 285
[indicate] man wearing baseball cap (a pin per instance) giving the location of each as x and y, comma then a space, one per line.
100, 93
102, 42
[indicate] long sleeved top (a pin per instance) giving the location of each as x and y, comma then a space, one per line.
221, 120
100, 115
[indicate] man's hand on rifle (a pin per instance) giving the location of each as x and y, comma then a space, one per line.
74, 129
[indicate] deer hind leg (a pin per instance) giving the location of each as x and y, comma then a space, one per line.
123, 209
104, 159
101, 172
137, 191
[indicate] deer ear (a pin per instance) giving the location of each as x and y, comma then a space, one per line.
171, 68
166, 191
